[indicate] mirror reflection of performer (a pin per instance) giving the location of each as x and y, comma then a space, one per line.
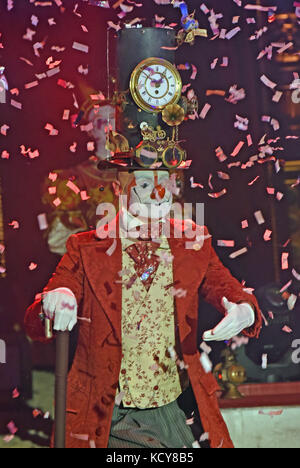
72, 195
137, 380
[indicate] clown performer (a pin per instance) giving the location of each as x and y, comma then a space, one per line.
137, 380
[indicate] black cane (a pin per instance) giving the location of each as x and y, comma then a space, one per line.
61, 376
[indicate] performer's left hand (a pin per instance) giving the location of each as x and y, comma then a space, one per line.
238, 317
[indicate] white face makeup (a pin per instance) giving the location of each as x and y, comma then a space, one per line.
150, 198
103, 121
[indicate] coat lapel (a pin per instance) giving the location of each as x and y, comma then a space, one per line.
102, 260
189, 271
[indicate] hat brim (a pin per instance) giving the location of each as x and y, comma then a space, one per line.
122, 166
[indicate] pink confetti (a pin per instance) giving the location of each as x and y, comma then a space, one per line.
73, 147
52, 131
31, 85
57, 202
42, 221
260, 8
112, 248
220, 154
266, 81
36, 412
195, 72
66, 114
267, 235
238, 253
233, 33
277, 96
253, 181
295, 274
14, 224
285, 261
226, 243
4, 129
10, 5
4, 154
84, 195
218, 194
223, 175
16, 104
205, 111
12, 427
80, 47
15, 393
286, 286
237, 149
194, 184
52, 176
73, 187
259, 217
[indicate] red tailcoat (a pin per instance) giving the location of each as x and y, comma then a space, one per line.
90, 273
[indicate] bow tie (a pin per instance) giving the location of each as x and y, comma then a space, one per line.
145, 260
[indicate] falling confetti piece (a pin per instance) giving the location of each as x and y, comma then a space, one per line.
238, 253
285, 261
218, 194
14, 224
12, 427
259, 217
205, 111
15, 393
237, 149
264, 361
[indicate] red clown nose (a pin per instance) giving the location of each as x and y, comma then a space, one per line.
158, 190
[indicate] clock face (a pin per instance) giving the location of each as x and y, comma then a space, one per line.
154, 84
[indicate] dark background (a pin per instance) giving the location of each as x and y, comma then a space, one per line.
22, 177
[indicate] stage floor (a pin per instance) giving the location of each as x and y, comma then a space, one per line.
34, 428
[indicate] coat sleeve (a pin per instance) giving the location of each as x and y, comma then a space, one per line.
68, 274
219, 282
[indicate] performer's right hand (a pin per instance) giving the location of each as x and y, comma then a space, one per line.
60, 305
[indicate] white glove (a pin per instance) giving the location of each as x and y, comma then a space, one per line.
238, 317
61, 305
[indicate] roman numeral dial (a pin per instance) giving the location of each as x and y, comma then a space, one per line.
154, 84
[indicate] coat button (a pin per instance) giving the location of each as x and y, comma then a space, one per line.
99, 431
